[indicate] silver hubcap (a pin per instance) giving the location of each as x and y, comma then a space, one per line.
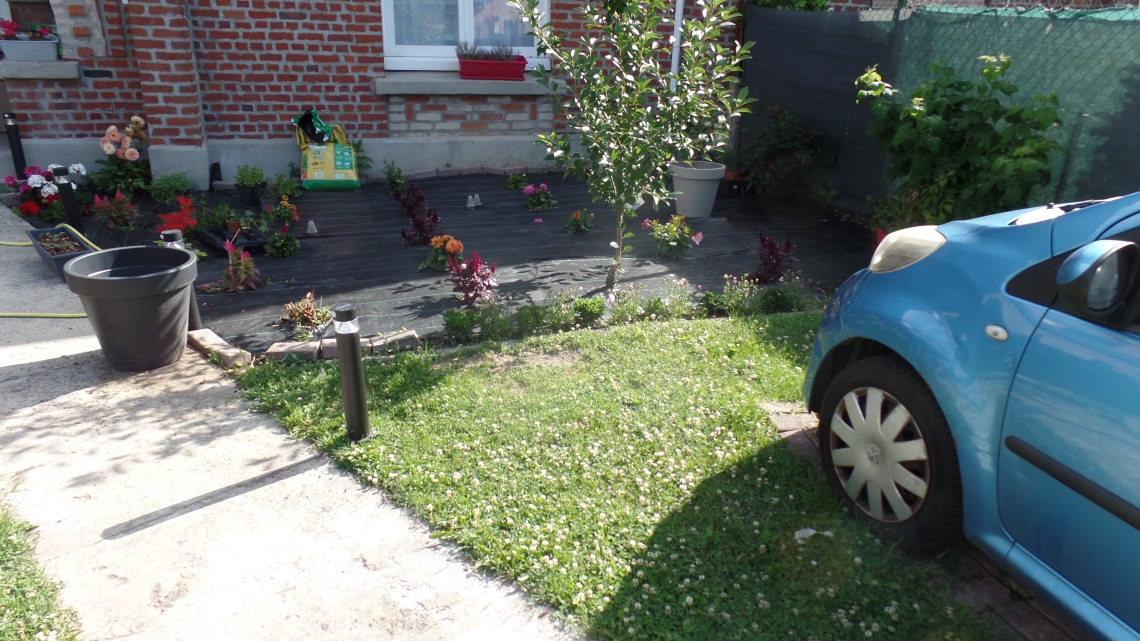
879, 453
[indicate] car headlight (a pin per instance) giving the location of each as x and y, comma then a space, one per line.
906, 247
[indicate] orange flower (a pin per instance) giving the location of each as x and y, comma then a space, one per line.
437, 241
576, 214
453, 246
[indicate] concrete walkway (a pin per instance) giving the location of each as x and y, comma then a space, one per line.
170, 511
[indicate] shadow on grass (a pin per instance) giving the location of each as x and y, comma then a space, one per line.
729, 565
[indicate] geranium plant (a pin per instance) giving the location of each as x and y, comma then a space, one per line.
11, 31
183, 220
124, 170
473, 279
443, 250
636, 116
117, 211
579, 224
282, 244
673, 238
539, 197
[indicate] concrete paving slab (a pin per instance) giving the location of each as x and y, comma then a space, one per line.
168, 510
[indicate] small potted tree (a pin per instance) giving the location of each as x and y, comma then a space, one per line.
635, 115
250, 182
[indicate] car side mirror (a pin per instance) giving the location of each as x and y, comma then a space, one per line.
1096, 282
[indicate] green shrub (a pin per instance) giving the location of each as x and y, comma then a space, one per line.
216, 216
397, 182
282, 185
516, 181
459, 325
530, 319
714, 304
168, 188
282, 245
495, 322
249, 176
789, 159
956, 150
779, 299
588, 311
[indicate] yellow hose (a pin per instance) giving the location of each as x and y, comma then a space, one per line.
35, 315
8, 243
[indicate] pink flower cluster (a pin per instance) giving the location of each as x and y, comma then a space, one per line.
122, 144
531, 190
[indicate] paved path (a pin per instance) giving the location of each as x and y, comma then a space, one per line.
170, 511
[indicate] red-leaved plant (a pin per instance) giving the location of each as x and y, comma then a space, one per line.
775, 259
240, 273
473, 279
425, 220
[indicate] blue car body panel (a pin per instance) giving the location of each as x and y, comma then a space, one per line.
933, 314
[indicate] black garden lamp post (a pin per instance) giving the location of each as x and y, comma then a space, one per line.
347, 329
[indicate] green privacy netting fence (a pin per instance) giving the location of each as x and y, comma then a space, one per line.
808, 62
1090, 59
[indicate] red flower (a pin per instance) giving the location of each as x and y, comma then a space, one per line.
179, 220
29, 208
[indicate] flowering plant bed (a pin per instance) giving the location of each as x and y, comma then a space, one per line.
56, 246
674, 237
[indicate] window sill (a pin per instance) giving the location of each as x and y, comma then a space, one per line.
448, 83
39, 70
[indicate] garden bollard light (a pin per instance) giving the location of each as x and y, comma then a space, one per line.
67, 196
173, 237
347, 329
15, 145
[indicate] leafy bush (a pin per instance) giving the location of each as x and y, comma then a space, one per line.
789, 159
516, 181
119, 175
282, 185
473, 279
282, 245
530, 320
674, 237
216, 216
956, 150
495, 322
714, 304
588, 311
53, 213
395, 176
459, 325
249, 176
167, 188
782, 298
775, 259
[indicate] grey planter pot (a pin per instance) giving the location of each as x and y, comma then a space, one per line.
696, 184
57, 261
25, 50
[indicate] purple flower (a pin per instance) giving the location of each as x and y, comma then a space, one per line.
24, 187
538, 220
645, 224
542, 187
529, 190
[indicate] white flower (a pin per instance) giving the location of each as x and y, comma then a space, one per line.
51, 167
35, 180
110, 149
78, 168
49, 189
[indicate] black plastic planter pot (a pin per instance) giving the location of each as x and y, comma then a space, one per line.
56, 261
138, 302
250, 196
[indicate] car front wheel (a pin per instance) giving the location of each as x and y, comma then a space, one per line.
888, 451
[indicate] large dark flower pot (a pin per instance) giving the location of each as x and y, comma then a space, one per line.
251, 196
138, 302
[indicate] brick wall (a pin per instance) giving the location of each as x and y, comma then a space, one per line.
468, 115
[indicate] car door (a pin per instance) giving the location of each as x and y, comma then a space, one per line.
1069, 468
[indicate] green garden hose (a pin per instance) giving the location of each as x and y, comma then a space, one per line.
28, 244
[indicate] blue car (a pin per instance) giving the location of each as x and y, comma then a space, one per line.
983, 377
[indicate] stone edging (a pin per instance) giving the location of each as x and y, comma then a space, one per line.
209, 344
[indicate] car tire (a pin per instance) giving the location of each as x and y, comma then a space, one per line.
896, 469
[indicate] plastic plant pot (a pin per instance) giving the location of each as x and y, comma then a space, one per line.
138, 302
56, 261
696, 184
250, 195
493, 69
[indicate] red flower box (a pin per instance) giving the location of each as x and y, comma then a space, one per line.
470, 69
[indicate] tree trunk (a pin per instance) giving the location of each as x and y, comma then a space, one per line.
619, 236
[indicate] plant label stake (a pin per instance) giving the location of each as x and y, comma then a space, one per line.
67, 196
347, 329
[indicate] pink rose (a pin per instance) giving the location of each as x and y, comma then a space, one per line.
698, 238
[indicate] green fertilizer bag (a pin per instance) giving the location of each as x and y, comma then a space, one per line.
328, 162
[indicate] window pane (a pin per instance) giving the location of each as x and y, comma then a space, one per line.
427, 22
498, 24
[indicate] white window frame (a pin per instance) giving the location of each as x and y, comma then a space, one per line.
430, 58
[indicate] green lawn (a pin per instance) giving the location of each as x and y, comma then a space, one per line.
29, 603
630, 478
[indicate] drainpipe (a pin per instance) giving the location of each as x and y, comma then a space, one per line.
676, 66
